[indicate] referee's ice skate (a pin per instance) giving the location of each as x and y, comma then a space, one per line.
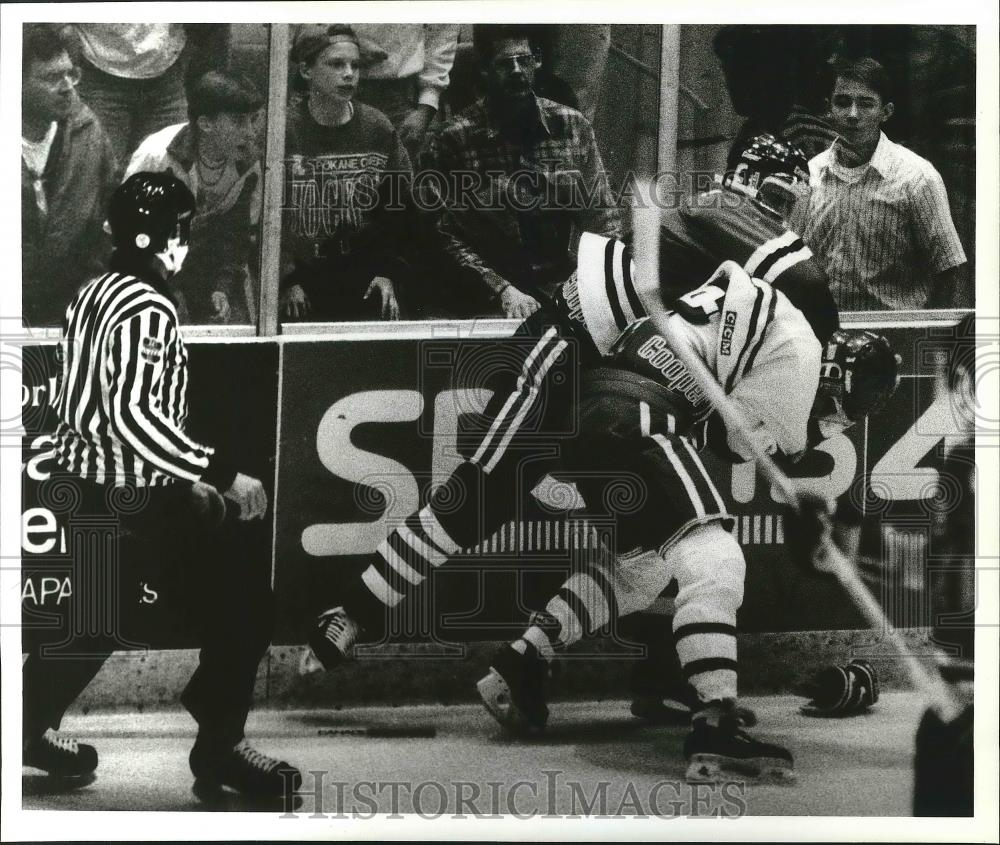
241, 768
59, 756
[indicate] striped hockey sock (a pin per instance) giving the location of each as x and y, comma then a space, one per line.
542, 634
407, 556
585, 603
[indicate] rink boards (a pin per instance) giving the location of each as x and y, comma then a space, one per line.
349, 432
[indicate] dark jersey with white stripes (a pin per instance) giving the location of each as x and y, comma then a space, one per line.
723, 225
709, 228
122, 398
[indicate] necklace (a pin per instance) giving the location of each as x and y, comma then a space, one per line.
204, 167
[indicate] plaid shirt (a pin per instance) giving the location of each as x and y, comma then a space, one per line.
514, 212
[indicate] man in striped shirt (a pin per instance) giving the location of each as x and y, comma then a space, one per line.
122, 406
878, 218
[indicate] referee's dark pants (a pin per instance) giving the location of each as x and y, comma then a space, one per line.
145, 565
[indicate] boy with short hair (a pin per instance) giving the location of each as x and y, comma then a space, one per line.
215, 154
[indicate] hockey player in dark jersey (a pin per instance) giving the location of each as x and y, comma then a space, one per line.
744, 219
533, 376
148, 502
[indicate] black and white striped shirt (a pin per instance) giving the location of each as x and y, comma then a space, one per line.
122, 398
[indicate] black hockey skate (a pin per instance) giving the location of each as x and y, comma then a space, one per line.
723, 752
59, 756
331, 641
243, 769
668, 709
514, 690
676, 706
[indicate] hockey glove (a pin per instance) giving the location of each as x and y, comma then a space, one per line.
207, 505
805, 529
842, 690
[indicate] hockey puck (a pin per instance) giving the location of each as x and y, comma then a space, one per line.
419, 732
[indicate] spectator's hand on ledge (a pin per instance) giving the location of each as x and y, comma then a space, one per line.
414, 126
517, 304
390, 306
221, 310
250, 495
294, 302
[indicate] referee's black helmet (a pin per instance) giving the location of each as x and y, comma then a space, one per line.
147, 210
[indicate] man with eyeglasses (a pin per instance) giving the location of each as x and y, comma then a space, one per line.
519, 178
67, 175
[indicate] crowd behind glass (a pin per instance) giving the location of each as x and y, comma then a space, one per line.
445, 171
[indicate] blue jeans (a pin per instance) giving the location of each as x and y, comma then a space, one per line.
132, 109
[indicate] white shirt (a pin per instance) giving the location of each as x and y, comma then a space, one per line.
36, 155
132, 50
880, 230
423, 50
217, 197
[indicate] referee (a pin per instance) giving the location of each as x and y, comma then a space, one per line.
121, 407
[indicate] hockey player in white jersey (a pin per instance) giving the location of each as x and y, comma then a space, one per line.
642, 415
533, 377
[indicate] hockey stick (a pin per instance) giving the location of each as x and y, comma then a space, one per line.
646, 229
